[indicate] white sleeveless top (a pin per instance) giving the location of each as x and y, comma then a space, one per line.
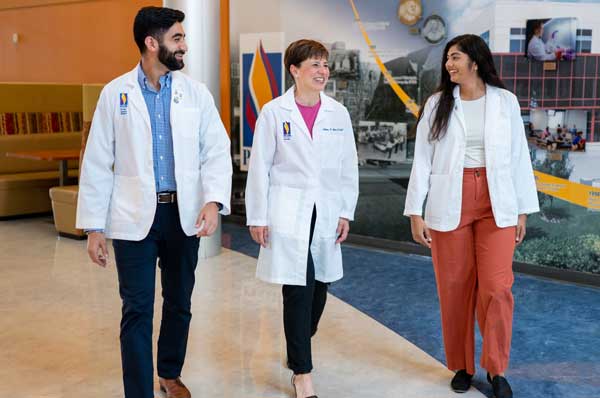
474, 112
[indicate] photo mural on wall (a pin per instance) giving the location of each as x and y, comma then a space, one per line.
385, 61
261, 80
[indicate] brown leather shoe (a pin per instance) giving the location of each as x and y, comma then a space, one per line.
174, 388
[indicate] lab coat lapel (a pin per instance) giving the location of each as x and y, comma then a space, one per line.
178, 98
135, 97
492, 106
324, 110
289, 103
458, 110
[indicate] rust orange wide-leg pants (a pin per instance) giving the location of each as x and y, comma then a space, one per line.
473, 270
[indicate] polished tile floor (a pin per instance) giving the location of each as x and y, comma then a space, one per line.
555, 351
59, 317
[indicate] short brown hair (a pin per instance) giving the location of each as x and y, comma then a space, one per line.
301, 50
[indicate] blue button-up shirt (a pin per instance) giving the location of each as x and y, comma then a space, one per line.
159, 109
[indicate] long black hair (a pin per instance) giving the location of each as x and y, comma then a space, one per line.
480, 54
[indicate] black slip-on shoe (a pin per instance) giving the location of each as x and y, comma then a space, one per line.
461, 381
500, 386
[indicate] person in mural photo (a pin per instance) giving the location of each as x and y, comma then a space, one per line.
578, 143
536, 48
472, 164
301, 193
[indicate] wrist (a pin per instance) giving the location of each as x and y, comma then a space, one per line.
217, 205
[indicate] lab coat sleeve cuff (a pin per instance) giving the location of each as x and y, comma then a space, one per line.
91, 225
412, 212
226, 210
529, 210
256, 223
347, 215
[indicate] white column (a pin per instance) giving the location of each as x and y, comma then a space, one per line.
201, 26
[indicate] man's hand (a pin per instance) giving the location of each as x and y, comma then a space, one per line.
420, 232
342, 230
521, 229
260, 235
96, 247
208, 220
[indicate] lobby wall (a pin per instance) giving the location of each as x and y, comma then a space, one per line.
84, 42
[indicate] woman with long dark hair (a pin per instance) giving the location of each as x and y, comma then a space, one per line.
472, 164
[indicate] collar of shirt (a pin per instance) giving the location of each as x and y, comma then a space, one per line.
164, 80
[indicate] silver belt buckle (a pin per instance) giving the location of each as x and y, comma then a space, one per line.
165, 197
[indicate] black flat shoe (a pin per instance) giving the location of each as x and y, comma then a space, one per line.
500, 386
461, 381
295, 394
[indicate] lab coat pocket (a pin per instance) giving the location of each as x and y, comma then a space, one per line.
190, 122
283, 209
506, 193
331, 215
126, 200
438, 197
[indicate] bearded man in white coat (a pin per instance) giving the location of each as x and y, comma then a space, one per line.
156, 173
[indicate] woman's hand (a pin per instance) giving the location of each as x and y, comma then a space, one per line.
342, 230
420, 232
521, 230
260, 235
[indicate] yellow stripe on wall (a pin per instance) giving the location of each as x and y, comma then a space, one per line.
405, 98
572, 192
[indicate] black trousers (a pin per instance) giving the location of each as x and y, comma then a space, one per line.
136, 266
302, 309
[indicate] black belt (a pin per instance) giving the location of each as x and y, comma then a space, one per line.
166, 197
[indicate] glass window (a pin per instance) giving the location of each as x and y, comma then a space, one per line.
564, 69
486, 37
564, 88
508, 66
588, 88
536, 68
577, 88
535, 89
515, 46
517, 31
590, 66
510, 84
578, 67
586, 47
522, 89
549, 89
522, 67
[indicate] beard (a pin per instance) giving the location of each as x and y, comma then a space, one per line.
168, 59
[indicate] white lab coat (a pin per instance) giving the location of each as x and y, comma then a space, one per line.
538, 50
117, 190
437, 170
290, 174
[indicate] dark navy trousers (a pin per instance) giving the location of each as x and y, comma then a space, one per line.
177, 256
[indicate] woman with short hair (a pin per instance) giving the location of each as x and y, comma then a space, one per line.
301, 194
